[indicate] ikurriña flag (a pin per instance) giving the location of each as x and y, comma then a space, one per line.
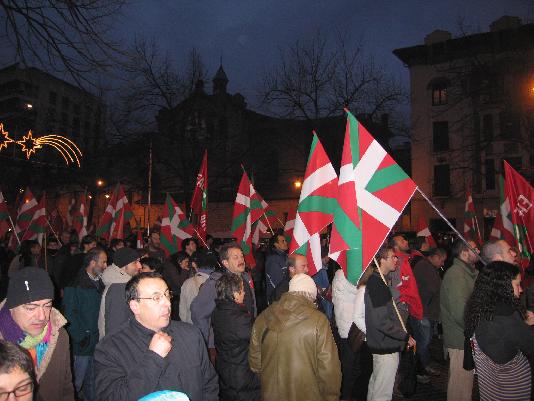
316, 206
471, 230
117, 214
424, 231
373, 191
175, 227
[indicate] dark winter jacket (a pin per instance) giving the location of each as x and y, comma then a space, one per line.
504, 336
384, 331
81, 304
232, 325
275, 270
117, 310
204, 303
281, 289
428, 284
126, 370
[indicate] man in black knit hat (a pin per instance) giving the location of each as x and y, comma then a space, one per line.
28, 319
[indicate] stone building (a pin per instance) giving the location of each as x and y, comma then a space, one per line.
472, 99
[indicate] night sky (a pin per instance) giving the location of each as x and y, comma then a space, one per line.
248, 33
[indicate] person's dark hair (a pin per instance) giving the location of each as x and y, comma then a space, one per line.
458, 247
186, 242
274, 239
153, 263
227, 285
392, 243
93, 254
87, 240
115, 241
26, 257
493, 286
223, 253
383, 252
131, 292
178, 257
13, 356
436, 252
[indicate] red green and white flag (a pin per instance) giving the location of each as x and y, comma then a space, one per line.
71, 211
199, 201
139, 243
471, 230
79, 218
503, 228
521, 196
316, 206
366, 214
248, 208
175, 227
25, 214
37, 228
264, 225
117, 214
4, 216
424, 231
290, 224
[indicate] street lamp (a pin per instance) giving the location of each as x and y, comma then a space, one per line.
99, 183
297, 183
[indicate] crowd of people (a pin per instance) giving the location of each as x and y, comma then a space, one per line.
94, 321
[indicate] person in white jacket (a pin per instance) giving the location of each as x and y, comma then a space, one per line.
349, 308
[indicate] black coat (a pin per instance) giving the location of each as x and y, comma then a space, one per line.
126, 370
232, 325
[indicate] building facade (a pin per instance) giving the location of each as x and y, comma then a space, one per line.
472, 99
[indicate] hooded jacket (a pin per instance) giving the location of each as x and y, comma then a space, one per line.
54, 374
293, 351
112, 275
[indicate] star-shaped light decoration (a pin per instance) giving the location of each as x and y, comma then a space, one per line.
4, 137
29, 144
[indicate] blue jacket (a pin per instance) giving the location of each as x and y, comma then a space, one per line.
204, 303
81, 304
275, 270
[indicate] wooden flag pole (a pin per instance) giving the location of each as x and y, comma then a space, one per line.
269, 224
52, 229
451, 226
392, 300
14, 230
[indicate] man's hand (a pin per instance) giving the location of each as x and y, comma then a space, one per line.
411, 342
161, 344
529, 318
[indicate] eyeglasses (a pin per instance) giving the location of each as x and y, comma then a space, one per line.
20, 391
31, 308
392, 257
158, 297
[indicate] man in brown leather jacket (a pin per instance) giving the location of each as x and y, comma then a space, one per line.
292, 348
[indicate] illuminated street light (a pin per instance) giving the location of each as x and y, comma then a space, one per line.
107, 196
297, 184
28, 106
99, 183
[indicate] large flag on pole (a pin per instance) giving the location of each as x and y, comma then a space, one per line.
382, 191
79, 218
503, 228
290, 224
174, 227
316, 206
248, 208
117, 214
199, 201
4, 216
424, 231
24, 217
38, 225
471, 230
521, 197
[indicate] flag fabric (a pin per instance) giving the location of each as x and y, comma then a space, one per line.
71, 212
117, 213
4, 216
503, 228
199, 201
382, 191
37, 228
79, 218
56, 221
290, 224
140, 244
174, 227
521, 197
248, 208
471, 230
25, 214
316, 205
424, 231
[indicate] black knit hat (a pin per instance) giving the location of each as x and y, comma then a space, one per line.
27, 285
124, 256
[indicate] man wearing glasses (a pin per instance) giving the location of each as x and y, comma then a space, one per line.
150, 352
28, 319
